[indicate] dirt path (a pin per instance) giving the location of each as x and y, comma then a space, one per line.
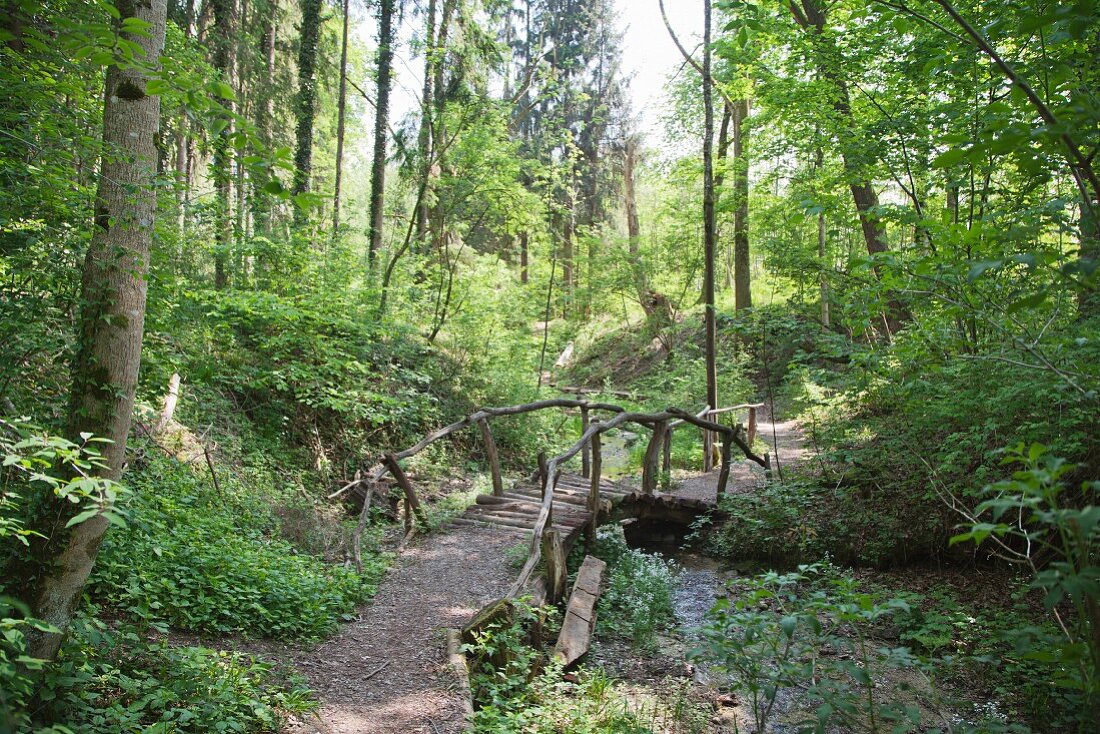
436, 582
785, 440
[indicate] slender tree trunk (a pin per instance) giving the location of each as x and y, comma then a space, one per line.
112, 312
381, 126
742, 275
709, 230
341, 112
224, 22
427, 104
305, 107
810, 16
262, 208
523, 255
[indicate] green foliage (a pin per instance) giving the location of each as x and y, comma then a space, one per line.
638, 600
211, 562
1035, 515
515, 694
121, 680
808, 627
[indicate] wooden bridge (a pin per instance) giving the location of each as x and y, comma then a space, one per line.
557, 507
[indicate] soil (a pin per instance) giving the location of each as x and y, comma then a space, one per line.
438, 582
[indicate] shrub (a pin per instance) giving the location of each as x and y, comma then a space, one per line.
214, 563
120, 681
638, 599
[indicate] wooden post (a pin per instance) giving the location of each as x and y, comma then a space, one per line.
492, 456
586, 464
708, 447
666, 459
724, 476
652, 462
593, 505
412, 504
752, 425
553, 555
544, 479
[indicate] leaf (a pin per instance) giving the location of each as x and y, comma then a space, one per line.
82, 517
950, 158
980, 267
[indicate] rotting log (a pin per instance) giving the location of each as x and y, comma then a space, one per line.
456, 659
492, 455
580, 613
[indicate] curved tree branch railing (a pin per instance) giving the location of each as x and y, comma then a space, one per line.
660, 423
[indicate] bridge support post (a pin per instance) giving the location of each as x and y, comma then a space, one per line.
544, 480
752, 425
492, 455
593, 505
586, 464
652, 462
553, 555
724, 476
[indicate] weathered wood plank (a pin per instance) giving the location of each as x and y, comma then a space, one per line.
580, 613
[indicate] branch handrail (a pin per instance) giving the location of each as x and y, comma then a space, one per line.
595, 428
667, 419
472, 419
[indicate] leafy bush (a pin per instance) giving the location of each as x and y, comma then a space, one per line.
638, 599
121, 681
213, 563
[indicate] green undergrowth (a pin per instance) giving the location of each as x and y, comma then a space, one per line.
215, 560
517, 689
124, 680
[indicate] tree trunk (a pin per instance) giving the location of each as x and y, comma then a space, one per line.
224, 21
424, 139
305, 107
741, 266
341, 113
811, 16
262, 208
381, 126
523, 256
113, 308
709, 228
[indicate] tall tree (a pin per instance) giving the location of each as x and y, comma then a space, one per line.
742, 275
710, 234
112, 314
224, 45
341, 115
305, 107
386, 10
811, 17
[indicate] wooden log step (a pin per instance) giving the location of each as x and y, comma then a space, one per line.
572, 520
580, 613
567, 496
559, 505
511, 527
523, 503
517, 522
